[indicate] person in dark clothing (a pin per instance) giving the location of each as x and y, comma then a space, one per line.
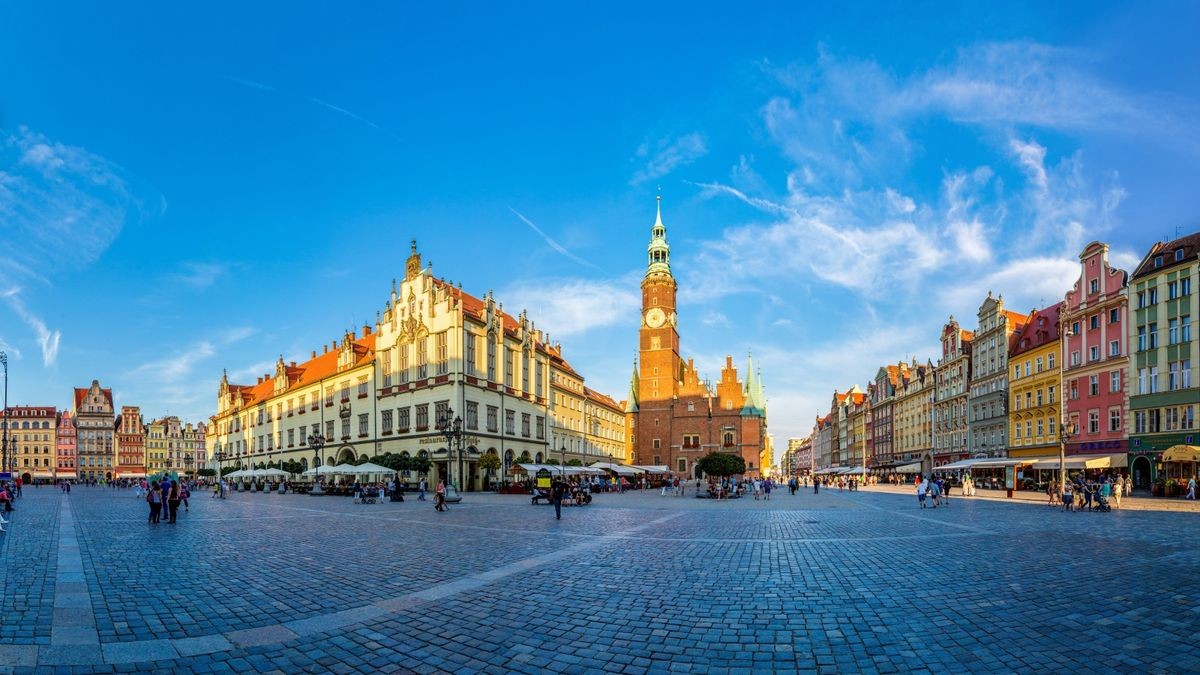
154, 499
173, 499
558, 490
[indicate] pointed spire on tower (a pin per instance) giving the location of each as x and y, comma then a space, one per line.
631, 401
659, 251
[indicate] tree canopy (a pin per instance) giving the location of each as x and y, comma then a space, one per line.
722, 464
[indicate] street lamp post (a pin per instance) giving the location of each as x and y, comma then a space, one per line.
563, 467
317, 441
452, 428
1066, 428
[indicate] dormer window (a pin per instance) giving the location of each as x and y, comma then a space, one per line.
1179, 254
1158, 261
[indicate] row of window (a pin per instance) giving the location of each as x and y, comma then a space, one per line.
1178, 330
400, 422
1114, 350
1179, 376
1171, 418
1034, 366
26, 424
1175, 289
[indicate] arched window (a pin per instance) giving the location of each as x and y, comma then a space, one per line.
538, 458
728, 440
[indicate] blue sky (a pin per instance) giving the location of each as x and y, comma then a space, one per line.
187, 188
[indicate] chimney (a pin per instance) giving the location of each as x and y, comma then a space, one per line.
314, 353
292, 364
366, 330
324, 349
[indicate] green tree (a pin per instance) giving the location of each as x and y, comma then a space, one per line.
551, 461
722, 464
207, 472
524, 458
420, 464
575, 462
489, 462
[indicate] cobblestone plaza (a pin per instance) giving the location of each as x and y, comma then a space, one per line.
836, 582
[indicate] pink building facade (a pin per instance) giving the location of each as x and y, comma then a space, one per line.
65, 446
1096, 357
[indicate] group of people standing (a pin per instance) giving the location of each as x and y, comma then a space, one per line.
936, 491
1083, 493
164, 498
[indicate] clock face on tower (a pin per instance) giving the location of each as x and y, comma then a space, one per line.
655, 317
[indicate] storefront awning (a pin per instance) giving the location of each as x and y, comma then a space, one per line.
1118, 460
960, 464
915, 467
1011, 461
655, 469
1181, 453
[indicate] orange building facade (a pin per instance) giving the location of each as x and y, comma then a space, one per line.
675, 418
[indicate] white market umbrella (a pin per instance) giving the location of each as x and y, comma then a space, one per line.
265, 473
371, 467
322, 470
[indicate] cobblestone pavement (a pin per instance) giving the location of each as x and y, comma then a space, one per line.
836, 582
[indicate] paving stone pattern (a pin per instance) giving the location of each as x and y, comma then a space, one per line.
850, 582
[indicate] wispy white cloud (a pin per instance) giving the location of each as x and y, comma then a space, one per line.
714, 318
199, 275
169, 382
61, 207
667, 154
321, 102
47, 339
176, 367
573, 306
550, 241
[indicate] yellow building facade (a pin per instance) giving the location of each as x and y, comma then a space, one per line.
1035, 388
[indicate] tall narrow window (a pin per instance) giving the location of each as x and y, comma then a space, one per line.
422, 349
442, 348
468, 353
491, 359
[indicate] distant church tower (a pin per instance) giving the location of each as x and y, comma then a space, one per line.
675, 417
658, 339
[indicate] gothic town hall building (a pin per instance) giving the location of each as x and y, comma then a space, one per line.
675, 417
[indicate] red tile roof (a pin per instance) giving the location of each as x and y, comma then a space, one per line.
1191, 248
310, 372
81, 393
1041, 329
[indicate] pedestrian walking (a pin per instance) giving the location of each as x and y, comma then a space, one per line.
439, 497
922, 491
1117, 489
154, 499
558, 490
1191, 493
421, 490
184, 493
767, 485
816, 486
1068, 497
